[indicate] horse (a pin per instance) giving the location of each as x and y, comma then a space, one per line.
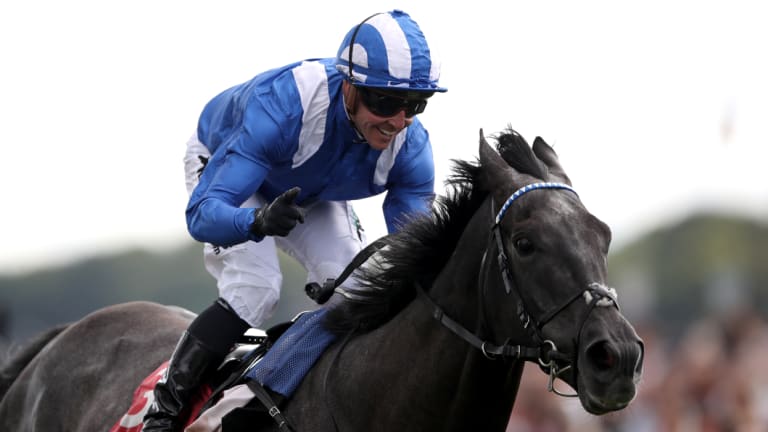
508, 268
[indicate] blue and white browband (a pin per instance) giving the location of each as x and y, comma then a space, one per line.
527, 188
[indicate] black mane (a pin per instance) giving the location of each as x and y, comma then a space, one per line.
418, 252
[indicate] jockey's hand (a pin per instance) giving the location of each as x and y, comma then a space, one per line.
280, 216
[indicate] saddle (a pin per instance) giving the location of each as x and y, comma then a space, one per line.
248, 351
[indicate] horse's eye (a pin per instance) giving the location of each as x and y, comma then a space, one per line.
523, 246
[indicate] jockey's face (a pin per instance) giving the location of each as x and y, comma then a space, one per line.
379, 117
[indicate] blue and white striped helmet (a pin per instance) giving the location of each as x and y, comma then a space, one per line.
388, 50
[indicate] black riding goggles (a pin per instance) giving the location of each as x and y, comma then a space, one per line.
388, 104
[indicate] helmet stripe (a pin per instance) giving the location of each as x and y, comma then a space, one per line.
388, 50
396, 45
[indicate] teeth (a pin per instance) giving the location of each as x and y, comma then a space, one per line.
389, 134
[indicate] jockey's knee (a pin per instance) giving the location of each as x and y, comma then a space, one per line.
254, 304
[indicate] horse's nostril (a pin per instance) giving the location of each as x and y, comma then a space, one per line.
639, 363
601, 356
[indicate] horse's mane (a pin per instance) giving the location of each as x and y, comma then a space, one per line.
416, 254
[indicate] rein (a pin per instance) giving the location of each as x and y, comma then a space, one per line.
489, 350
545, 352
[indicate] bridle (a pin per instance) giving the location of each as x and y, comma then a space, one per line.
542, 350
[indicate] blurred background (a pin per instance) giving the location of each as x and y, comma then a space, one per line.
657, 110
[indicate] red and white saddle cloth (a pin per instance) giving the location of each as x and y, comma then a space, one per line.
143, 397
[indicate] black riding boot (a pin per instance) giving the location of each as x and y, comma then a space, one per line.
201, 349
185, 373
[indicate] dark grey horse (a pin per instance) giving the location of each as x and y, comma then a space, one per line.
510, 267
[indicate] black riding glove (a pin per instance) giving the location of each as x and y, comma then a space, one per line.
280, 216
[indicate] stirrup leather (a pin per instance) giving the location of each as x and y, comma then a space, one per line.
269, 403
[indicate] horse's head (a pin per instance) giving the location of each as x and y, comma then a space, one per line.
545, 276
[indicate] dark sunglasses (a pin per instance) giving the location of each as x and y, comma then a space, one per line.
387, 105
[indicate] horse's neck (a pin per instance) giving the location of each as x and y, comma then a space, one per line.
416, 366
420, 376
485, 389
456, 289
485, 396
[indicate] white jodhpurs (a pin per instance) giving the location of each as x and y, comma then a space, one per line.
248, 274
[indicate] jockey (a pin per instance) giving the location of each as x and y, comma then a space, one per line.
274, 164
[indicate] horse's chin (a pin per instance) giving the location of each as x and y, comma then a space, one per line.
592, 403
596, 404
599, 407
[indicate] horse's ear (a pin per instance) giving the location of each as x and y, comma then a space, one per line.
488, 156
547, 154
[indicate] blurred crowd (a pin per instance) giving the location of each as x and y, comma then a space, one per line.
712, 379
